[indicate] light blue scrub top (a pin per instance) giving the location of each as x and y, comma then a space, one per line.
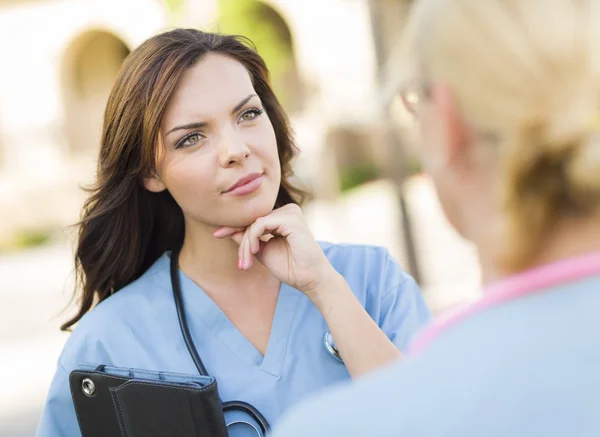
137, 327
527, 367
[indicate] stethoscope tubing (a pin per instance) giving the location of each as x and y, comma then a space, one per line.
189, 342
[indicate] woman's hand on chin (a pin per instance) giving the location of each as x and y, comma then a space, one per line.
282, 242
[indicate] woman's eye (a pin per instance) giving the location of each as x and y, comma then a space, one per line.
193, 139
251, 114
189, 141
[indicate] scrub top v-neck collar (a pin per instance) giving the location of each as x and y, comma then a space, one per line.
200, 305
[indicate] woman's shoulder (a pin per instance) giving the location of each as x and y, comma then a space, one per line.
375, 259
354, 253
369, 266
130, 307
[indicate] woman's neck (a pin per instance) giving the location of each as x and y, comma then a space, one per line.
570, 238
211, 261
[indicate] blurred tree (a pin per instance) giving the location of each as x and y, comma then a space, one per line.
174, 5
273, 40
25, 238
354, 176
388, 18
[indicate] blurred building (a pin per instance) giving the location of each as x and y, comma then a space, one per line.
60, 58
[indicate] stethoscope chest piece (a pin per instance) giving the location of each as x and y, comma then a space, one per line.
331, 348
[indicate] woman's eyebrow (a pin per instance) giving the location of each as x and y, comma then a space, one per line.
242, 103
189, 126
200, 125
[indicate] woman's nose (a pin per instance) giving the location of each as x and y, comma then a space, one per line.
232, 150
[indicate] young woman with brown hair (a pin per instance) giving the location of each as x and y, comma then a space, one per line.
195, 170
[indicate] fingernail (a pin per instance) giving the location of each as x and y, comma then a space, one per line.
240, 263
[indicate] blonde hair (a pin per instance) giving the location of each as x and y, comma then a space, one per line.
529, 72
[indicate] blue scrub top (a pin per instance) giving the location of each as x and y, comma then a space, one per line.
527, 367
137, 327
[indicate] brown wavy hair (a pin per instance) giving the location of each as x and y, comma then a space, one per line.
125, 228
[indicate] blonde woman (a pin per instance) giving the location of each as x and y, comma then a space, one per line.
507, 96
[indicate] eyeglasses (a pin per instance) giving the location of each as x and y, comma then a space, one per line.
413, 95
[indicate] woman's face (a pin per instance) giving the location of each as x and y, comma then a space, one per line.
450, 154
217, 150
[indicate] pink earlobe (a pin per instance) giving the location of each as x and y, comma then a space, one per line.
154, 184
456, 131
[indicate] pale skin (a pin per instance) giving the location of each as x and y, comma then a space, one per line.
214, 132
466, 174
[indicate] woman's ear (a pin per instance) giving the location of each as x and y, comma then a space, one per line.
154, 183
456, 135
458, 142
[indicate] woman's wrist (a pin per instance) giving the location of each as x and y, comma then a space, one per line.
328, 290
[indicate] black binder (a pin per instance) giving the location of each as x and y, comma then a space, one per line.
120, 402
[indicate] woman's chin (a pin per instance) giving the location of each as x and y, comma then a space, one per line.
247, 214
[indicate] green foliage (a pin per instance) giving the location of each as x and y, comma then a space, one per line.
415, 166
174, 5
268, 32
24, 239
353, 176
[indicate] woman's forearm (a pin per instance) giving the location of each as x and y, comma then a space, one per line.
361, 343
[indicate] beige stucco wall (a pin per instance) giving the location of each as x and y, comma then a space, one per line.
37, 168
49, 133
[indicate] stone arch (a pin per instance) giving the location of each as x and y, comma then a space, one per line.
91, 64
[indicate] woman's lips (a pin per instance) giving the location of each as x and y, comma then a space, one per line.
246, 185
